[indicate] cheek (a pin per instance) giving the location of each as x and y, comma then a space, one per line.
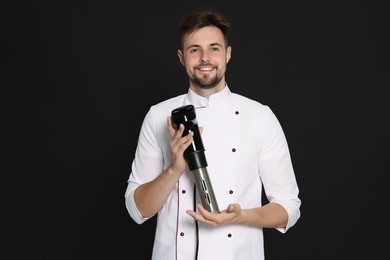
191, 58
191, 62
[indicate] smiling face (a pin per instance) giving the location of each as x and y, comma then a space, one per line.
205, 56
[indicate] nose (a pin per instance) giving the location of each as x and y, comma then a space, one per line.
205, 56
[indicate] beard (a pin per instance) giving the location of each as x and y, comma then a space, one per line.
205, 82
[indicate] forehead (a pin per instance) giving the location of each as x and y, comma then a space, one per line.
204, 36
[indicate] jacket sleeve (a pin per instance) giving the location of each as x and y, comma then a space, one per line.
277, 173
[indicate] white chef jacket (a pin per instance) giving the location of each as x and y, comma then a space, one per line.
245, 148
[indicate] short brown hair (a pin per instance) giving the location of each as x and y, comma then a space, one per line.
198, 19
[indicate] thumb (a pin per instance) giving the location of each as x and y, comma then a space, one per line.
230, 208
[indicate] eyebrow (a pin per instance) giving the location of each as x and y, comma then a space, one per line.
211, 45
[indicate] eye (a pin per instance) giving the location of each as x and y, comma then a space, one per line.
214, 49
193, 50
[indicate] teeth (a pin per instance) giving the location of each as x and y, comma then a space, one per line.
205, 69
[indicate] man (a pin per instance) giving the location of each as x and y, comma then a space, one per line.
245, 148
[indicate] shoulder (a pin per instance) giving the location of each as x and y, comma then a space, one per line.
254, 112
246, 103
161, 110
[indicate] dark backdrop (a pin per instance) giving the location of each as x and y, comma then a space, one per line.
78, 77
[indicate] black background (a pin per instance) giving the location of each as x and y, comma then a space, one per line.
78, 77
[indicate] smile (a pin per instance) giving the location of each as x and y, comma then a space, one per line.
206, 69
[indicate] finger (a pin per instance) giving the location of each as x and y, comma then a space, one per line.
171, 129
201, 208
206, 214
185, 141
234, 208
200, 218
179, 144
175, 132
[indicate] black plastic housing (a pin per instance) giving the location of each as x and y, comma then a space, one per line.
194, 154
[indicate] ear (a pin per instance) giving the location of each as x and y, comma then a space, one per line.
181, 56
228, 53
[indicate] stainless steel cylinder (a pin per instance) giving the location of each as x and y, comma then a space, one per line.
205, 190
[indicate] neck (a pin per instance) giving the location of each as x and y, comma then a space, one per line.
206, 93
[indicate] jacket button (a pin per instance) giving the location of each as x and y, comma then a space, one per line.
229, 235
230, 192
183, 191
234, 150
181, 233
236, 112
